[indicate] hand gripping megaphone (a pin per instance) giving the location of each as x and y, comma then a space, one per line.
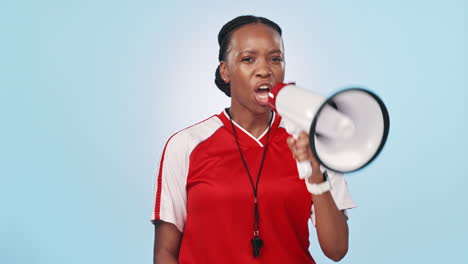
347, 130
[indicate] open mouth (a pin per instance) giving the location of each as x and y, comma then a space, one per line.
261, 94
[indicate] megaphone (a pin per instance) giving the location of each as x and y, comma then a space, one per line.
347, 130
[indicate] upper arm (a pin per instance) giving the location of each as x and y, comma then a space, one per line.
167, 239
345, 215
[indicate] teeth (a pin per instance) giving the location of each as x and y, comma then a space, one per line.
263, 96
263, 87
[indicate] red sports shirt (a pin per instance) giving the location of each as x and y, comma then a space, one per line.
202, 188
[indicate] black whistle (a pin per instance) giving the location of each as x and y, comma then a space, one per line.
257, 243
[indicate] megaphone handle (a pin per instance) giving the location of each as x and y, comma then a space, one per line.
303, 167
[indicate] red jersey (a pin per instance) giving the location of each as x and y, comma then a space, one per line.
203, 188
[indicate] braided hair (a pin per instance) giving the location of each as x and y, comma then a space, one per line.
224, 38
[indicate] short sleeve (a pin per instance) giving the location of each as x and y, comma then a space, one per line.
171, 177
339, 191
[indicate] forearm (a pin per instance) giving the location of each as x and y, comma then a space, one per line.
331, 226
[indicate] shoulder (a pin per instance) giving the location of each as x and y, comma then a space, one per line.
185, 140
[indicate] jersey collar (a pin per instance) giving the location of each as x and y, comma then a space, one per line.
245, 138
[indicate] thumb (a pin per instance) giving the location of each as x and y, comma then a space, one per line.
291, 141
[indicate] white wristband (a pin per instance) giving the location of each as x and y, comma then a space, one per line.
318, 188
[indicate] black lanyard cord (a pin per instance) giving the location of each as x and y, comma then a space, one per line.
257, 243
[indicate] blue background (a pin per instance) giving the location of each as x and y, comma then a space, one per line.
91, 90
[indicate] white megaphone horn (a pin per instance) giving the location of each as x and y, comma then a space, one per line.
347, 131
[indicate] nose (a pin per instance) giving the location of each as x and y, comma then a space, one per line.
263, 69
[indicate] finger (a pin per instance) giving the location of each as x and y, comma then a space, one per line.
291, 142
301, 156
302, 145
300, 150
303, 139
303, 135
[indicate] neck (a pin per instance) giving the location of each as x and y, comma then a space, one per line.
254, 123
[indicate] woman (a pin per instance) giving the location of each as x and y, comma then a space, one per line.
227, 189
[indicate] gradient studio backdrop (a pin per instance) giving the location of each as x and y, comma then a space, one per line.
91, 90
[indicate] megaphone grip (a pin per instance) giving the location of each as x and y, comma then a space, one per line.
304, 168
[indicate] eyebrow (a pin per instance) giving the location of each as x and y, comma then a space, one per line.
248, 52
275, 51
254, 52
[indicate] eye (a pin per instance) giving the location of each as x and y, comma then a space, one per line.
277, 59
247, 59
